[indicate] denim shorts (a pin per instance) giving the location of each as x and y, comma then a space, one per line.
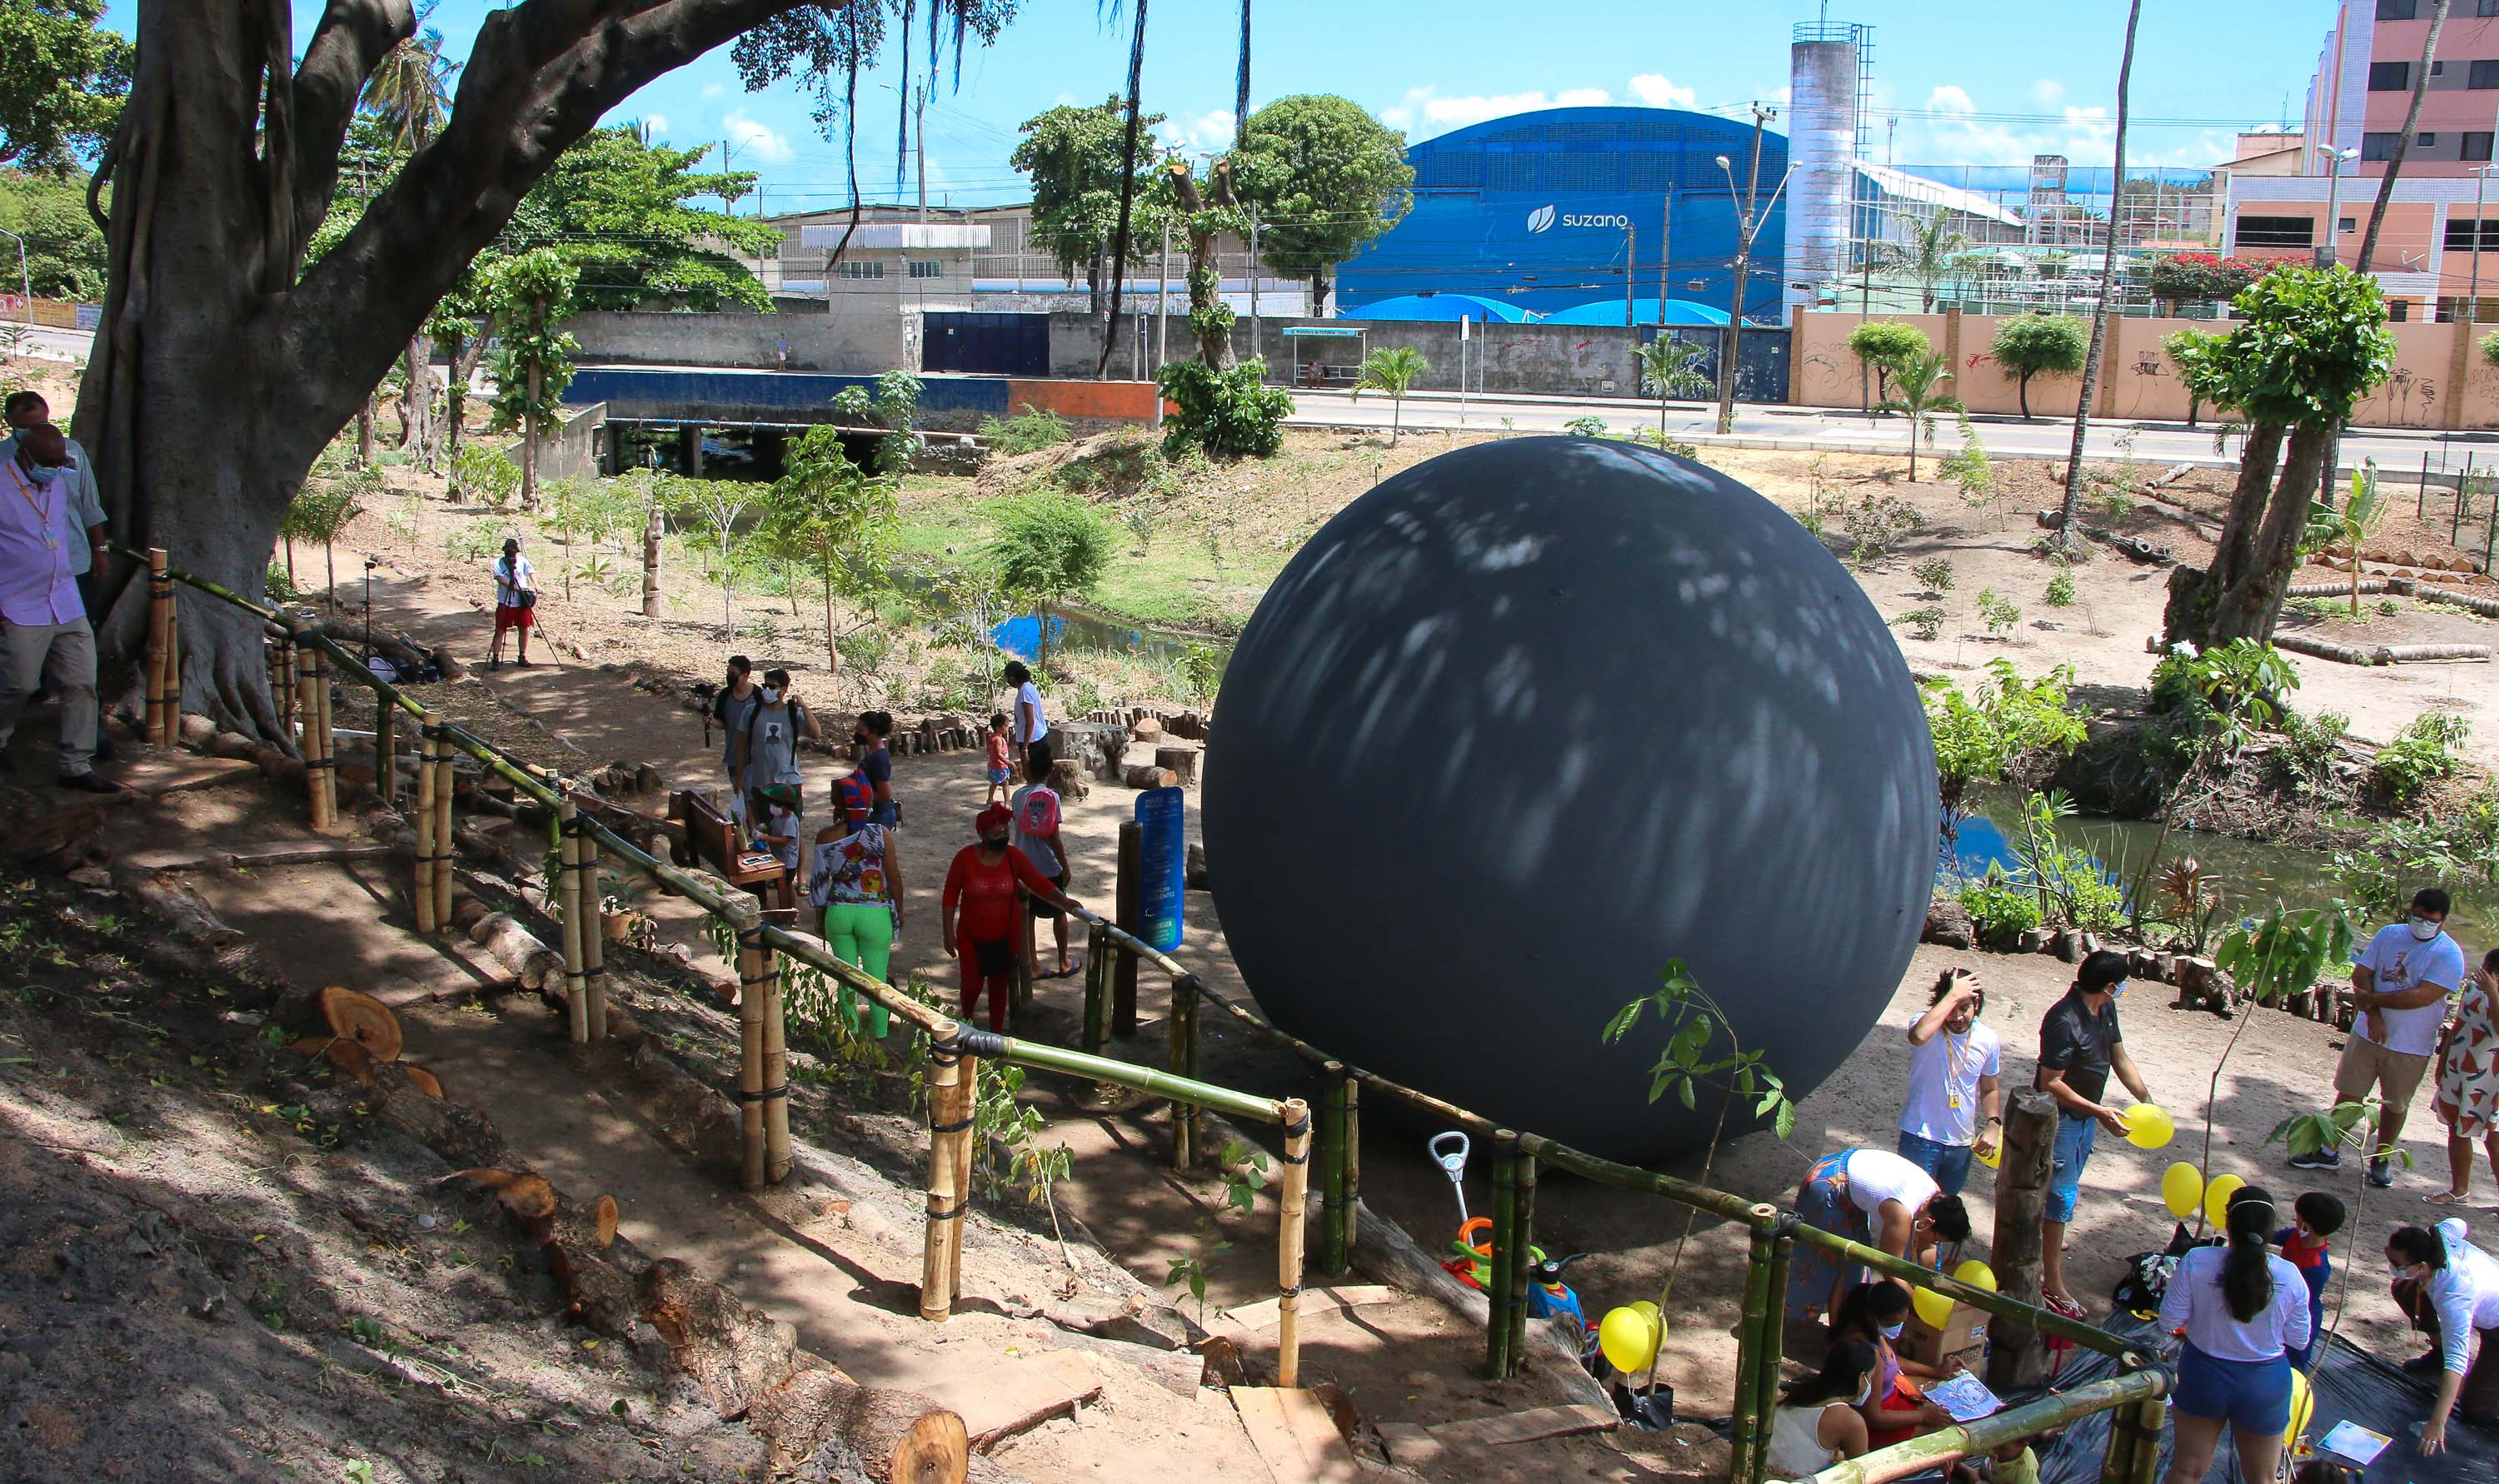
2250, 1396
1948, 1163
887, 812
2074, 1139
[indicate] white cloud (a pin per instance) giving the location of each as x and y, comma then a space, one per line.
1203, 134
2048, 90
758, 142
1948, 99
657, 123
714, 89
1424, 111
1659, 93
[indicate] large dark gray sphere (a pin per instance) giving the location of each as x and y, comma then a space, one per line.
1530, 720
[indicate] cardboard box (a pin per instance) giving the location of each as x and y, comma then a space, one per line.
1961, 1341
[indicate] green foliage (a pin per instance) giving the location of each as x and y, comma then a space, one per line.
1979, 739
1691, 1019
619, 212
1926, 622
1918, 392
1392, 369
2287, 950
486, 475
1073, 155
895, 406
1928, 253
2000, 911
1589, 426
833, 516
2400, 855
2197, 355
1969, 467
1669, 368
2420, 755
322, 508
1997, 613
2310, 744
65, 255
1884, 346
2309, 342
2060, 590
530, 295
1325, 176
2194, 898
1028, 432
1223, 414
1049, 547
275, 585
1875, 521
2035, 344
2349, 525
2488, 346
2218, 700
1934, 575
63, 76
2072, 886
2200, 277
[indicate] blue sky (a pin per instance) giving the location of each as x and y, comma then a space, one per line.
1984, 83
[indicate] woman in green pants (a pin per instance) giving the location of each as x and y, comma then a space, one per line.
857, 880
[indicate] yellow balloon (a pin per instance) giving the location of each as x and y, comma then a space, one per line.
2149, 1126
1976, 1274
1992, 1158
1931, 1307
2182, 1189
2217, 1198
1628, 1339
2302, 1407
1656, 1321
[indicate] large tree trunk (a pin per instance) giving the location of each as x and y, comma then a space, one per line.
1206, 312
2247, 606
2193, 594
220, 166
530, 445
416, 436
365, 431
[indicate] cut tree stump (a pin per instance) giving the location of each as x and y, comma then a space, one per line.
341, 1013
1141, 777
819, 1420
733, 1354
2018, 1355
1179, 762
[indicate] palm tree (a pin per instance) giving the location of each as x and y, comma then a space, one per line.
1928, 253
1671, 367
1918, 390
1392, 371
410, 90
2353, 524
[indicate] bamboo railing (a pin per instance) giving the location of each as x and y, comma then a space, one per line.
956, 1050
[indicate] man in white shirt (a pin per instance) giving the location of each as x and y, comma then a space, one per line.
516, 597
26, 410
1875, 1197
1026, 724
2401, 986
44, 630
1955, 1106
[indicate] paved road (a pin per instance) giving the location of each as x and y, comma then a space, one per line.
1810, 427
56, 344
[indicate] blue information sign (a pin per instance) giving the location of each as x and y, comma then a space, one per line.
1162, 815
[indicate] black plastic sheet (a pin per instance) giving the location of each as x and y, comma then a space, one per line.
2349, 1385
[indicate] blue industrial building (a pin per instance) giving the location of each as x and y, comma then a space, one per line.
1545, 210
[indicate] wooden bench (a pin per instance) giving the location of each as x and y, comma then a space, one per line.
712, 841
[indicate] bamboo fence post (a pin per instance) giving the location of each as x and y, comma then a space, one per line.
946, 1125
1522, 1235
2151, 1417
308, 739
747, 919
321, 695
593, 941
1333, 1218
162, 667
422, 897
1098, 970
172, 665
2117, 1461
1288, 1244
2017, 1353
1505, 1251
386, 751
1185, 1127
1352, 1162
569, 899
967, 1104
1750, 1439
445, 779
1772, 1338
777, 1157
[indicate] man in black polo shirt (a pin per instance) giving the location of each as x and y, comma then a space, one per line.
2079, 1046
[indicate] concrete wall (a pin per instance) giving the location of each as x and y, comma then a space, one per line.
572, 453
948, 403
2438, 380
847, 336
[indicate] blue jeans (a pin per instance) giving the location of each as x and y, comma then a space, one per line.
889, 814
2074, 1139
1948, 1163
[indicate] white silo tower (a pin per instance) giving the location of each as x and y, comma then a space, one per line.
1828, 67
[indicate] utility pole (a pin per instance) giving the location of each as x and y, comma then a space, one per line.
1631, 269
1665, 251
919, 146
1257, 346
1162, 304
1743, 270
2473, 294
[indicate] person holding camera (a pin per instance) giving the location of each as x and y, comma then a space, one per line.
516, 600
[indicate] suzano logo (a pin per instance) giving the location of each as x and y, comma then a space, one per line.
1542, 219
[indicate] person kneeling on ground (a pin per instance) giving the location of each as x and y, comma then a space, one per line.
2244, 1310
1817, 1423
1874, 1315
2400, 986
981, 883
2079, 1046
2450, 1290
45, 635
1877, 1198
1955, 1109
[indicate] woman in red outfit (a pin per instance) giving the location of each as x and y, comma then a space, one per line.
982, 884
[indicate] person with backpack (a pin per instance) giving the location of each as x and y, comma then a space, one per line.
767, 750
1035, 832
858, 884
2244, 1309
516, 602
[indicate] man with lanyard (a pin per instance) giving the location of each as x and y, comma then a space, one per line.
2079, 1046
26, 410
2400, 986
47, 633
1954, 1063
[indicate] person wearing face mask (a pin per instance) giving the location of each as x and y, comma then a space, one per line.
2400, 986
768, 753
1955, 1106
876, 766
26, 410
977, 916
730, 706
2450, 1290
1817, 1423
43, 631
2079, 1046
1874, 1315
2244, 1310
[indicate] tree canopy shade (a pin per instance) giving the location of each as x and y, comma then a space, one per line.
62, 80
616, 209
1326, 177
1073, 155
64, 250
221, 164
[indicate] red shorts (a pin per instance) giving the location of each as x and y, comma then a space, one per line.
508, 616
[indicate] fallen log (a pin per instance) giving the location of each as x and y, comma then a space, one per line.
462, 1135
817, 1419
2424, 654
599, 1294
731, 1353
1143, 777
177, 904
517, 951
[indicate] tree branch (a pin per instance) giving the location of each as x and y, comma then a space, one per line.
350, 42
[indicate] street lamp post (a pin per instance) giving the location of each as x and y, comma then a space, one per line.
1743, 271
2329, 250
25, 285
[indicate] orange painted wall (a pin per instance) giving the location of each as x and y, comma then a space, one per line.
1106, 401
